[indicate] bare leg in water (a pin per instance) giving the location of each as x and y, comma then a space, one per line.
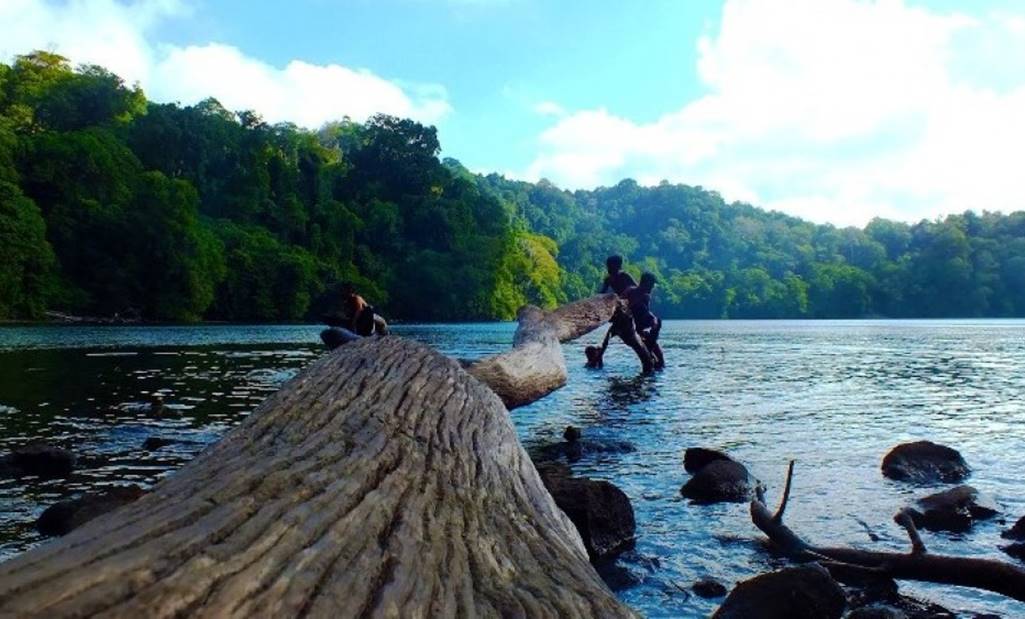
622, 326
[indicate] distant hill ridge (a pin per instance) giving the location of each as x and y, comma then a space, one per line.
111, 204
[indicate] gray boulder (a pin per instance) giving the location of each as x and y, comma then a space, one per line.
709, 588
42, 460
1017, 532
954, 510
695, 458
802, 592
65, 516
720, 481
925, 462
601, 512
1016, 550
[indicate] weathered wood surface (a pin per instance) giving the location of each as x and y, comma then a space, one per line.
383, 481
536, 366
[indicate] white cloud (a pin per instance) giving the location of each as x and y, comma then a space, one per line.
835, 110
119, 35
549, 108
304, 93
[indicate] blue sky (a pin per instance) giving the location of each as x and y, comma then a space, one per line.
833, 110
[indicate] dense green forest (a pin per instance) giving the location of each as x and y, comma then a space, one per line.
111, 204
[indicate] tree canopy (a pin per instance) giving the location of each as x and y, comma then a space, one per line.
110, 203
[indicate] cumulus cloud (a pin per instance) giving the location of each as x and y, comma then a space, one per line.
119, 36
834, 110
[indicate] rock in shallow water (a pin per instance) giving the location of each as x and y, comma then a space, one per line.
954, 510
925, 462
155, 442
1017, 532
601, 512
877, 611
64, 516
709, 588
720, 481
803, 592
696, 458
575, 449
42, 460
1016, 550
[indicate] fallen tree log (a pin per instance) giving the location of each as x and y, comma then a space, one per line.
382, 481
536, 366
918, 564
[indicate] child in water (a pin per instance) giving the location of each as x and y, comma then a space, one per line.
648, 325
618, 280
639, 320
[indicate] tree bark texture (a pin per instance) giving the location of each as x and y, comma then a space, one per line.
382, 481
536, 366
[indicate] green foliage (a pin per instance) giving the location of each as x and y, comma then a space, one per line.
26, 269
112, 204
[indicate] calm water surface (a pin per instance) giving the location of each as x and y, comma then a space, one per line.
833, 395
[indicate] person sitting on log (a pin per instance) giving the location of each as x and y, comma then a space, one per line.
617, 280
648, 325
361, 317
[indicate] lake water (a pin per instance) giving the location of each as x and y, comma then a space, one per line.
834, 395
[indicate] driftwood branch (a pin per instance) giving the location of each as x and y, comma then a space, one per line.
991, 575
383, 481
536, 366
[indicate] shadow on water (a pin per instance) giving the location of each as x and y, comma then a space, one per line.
624, 393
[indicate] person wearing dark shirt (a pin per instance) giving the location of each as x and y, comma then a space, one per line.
617, 280
648, 325
623, 327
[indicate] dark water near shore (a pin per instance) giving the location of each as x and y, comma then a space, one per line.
834, 395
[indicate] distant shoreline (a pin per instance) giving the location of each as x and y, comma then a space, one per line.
101, 322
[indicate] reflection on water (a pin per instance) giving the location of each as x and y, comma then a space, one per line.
833, 395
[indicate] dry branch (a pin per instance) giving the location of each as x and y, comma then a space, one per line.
920, 565
382, 481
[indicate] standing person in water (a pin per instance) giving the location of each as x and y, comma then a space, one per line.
617, 280
648, 325
621, 283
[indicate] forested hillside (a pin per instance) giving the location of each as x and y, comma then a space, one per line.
113, 204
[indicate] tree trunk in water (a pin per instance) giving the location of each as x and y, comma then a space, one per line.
381, 481
536, 366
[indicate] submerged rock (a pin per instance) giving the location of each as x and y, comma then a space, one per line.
64, 516
925, 462
601, 512
720, 481
42, 460
695, 458
954, 510
154, 443
575, 447
803, 592
709, 588
877, 611
571, 434
871, 597
1017, 532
